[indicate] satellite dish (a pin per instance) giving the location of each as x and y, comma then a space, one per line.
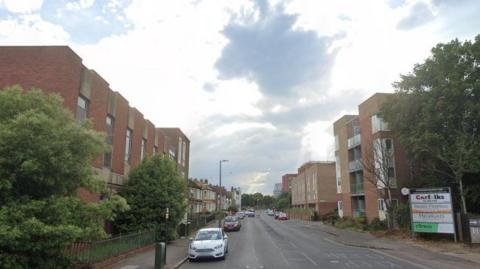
405, 191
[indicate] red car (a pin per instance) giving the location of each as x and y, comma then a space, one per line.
282, 216
231, 223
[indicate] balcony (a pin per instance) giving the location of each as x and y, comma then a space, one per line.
357, 189
354, 166
353, 141
358, 213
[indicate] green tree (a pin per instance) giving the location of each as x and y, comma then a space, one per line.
436, 113
152, 187
45, 156
284, 201
43, 150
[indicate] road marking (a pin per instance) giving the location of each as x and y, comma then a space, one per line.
293, 245
334, 261
129, 267
308, 258
400, 259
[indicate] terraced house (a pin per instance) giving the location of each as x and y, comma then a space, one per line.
131, 137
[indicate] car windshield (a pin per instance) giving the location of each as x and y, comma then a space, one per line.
208, 235
230, 219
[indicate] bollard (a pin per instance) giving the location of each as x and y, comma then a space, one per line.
160, 255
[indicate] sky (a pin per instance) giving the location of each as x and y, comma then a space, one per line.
259, 83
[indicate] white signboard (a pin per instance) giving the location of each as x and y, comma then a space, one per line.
432, 211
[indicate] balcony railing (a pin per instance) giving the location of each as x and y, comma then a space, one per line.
354, 166
353, 141
358, 213
357, 189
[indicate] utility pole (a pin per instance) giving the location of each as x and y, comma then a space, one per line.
219, 190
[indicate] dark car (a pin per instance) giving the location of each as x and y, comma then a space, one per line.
250, 213
231, 223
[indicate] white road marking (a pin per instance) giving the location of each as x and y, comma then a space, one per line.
293, 245
308, 258
400, 259
129, 267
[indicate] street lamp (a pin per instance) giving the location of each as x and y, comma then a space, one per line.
220, 197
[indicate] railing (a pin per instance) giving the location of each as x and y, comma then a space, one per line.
356, 188
354, 166
357, 213
353, 141
91, 252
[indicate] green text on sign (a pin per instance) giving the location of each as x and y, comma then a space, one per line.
424, 227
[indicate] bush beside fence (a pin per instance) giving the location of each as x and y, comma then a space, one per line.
91, 252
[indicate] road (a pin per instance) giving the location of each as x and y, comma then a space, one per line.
267, 243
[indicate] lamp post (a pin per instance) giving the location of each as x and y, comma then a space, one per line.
220, 196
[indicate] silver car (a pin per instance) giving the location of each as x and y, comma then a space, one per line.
208, 243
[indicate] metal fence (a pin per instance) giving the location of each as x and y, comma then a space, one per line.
88, 253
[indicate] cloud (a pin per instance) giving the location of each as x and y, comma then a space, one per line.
263, 47
420, 13
22, 6
88, 21
395, 3
29, 29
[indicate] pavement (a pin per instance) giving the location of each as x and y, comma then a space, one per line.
264, 242
176, 255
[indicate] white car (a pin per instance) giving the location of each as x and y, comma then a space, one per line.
208, 243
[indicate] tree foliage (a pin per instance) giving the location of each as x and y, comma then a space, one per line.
153, 186
43, 150
436, 112
45, 156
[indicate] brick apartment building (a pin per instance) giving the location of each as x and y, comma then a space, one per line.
356, 146
314, 187
58, 69
287, 182
176, 145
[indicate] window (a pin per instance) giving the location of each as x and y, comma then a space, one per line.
381, 204
128, 146
143, 149
388, 144
184, 149
378, 124
109, 121
179, 160
107, 158
337, 142
155, 150
340, 205
82, 108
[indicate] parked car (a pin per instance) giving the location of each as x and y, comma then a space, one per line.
208, 243
240, 214
270, 212
282, 216
231, 223
276, 214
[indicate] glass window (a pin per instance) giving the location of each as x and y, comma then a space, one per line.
143, 149
381, 204
378, 124
82, 108
109, 121
179, 160
155, 150
107, 159
128, 146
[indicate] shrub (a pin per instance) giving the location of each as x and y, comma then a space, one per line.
377, 225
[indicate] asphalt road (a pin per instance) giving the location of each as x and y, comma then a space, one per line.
267, 243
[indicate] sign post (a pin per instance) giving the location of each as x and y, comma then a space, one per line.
432, 211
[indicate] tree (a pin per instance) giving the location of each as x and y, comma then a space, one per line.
436, 113
378, 163
45, 156
43, 150
152, 187
284, 201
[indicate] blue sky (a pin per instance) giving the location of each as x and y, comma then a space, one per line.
264, 79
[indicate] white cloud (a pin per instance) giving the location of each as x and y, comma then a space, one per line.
22, 6
229, 129
80, 4
31, 30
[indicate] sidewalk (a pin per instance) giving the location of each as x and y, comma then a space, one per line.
176, 255
445, 257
